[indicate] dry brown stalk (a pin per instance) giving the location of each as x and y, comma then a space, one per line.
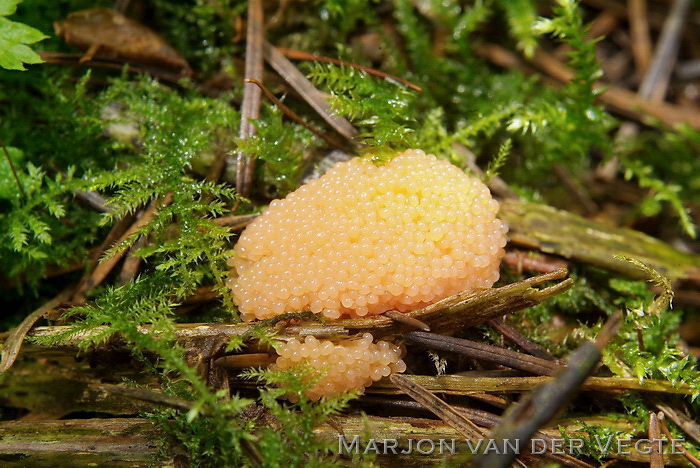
100, 272
307, 91
252, 96
623, 101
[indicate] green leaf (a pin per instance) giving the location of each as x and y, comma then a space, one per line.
8, 7
14, 39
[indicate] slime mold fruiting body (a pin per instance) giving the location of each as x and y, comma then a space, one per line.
348, 365
364, 239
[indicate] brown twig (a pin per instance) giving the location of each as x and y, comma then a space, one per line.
217, 167
687, 425
656, 459
14, 341
656, 80
485, 352
250, 109
622, 100
507, 330
407, 320
689, 456
523, 260
94, 199
641, 40
105, 267
60, 58
236, 222
292, 115
130, 267
294, 54
307, 91
576, 189
245, 361
148, 396
438, 407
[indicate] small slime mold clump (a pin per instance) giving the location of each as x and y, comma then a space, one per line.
348, 365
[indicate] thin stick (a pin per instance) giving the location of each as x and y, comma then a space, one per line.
507, 330
14, 342
656, 80
523, 260
622, 100
308, 91
149, 396
407, 320
640, 40
236, 222
94, 199
656, 459
485, 352
252, 96
691, 458
245, 361
294, 54
292, 115
130, 267
577, 190
687, 425
12, 168
60, 58
105, 267
438, 407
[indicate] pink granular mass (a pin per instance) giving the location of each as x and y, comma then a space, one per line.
364, 239
347, 365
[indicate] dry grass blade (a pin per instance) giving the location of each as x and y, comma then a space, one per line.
438, 407
252, 96
308, 91
14, 341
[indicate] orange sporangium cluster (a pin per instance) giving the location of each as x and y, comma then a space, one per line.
348, 365
364, 239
